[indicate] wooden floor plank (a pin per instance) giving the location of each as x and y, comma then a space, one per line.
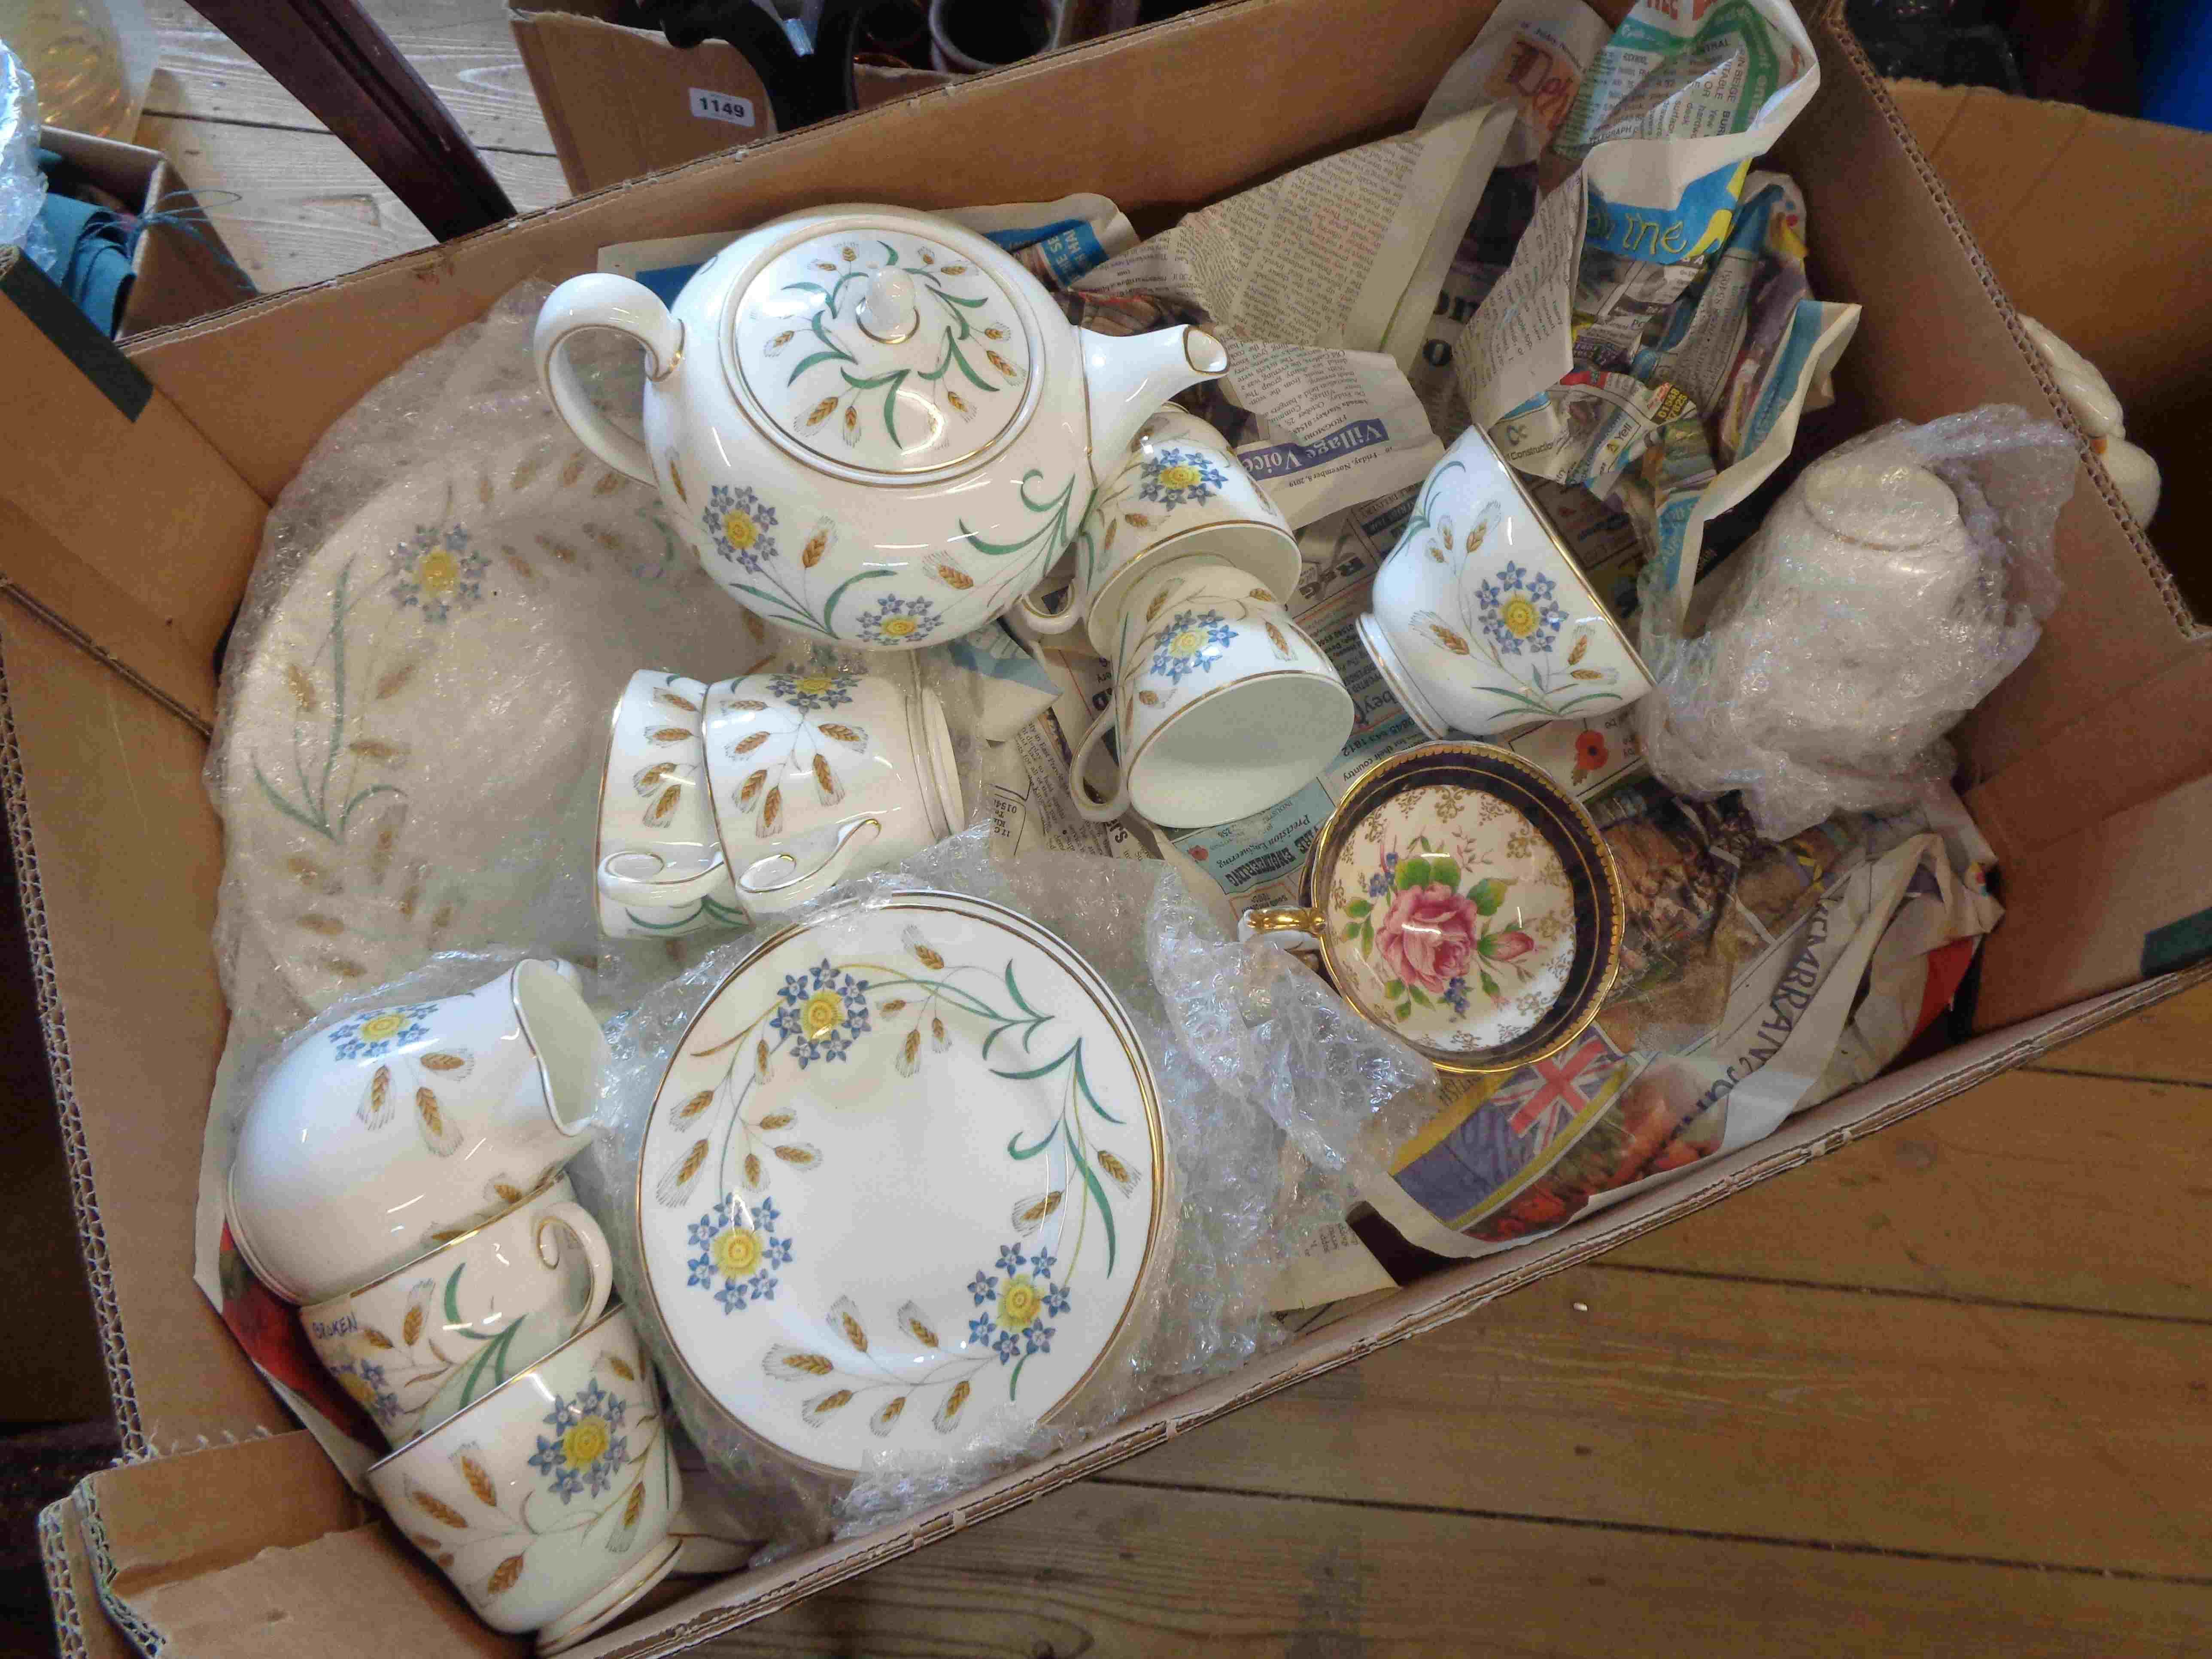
1108, 1572
2057, 1190
464, 48
1763, 1410
2171, 1039
310, 210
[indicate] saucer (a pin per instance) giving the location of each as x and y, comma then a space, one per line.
902, 1178
414, 730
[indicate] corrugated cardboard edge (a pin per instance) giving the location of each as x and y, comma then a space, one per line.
1837, 30
1826, 1128
82, 1631
92, 1237
141, 1635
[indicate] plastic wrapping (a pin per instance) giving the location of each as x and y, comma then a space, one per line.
22, 186
1888, 591
1223, 1025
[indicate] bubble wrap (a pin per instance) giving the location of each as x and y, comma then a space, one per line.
1889, 591
22, 186
1238, 1193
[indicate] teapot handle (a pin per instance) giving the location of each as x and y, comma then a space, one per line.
602, 301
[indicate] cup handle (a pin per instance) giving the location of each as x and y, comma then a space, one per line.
658, 895
602, 301
1285, 927
792, 889
596, 1257
1054, 621
1079, 785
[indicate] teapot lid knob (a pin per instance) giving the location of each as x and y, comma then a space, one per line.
888, 312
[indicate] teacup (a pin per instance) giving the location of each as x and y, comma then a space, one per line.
388, 1133
1462, 899
442, 1330
1481, 621
1222, 706
1181, 491
821, 772
548, 1501
659, 868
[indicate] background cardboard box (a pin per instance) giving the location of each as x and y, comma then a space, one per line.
120, 599
179, 274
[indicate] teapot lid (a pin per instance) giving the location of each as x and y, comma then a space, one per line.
883, 350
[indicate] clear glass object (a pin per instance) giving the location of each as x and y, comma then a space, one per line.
75, 54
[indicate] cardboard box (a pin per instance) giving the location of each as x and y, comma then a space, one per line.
179, 273
120, 597
621, 101
2123, 888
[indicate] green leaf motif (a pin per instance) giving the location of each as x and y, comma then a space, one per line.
1358, 908
1444, 873
1413, 873
1366, 937
1395, 988
1415, 994
1488, 894
1404, 1010
1489, 986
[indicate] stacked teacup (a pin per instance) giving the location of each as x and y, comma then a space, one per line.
400, 1173
724, 803
1222, 706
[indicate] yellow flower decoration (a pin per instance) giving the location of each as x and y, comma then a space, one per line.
1520, 615
1019, 1304
739, 529
898, 628
1188, 643
439, 571
737, 1251
823, 1013
1181, 475
585, 1442
382, 1026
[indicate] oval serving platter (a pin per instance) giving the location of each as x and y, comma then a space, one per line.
902, 1176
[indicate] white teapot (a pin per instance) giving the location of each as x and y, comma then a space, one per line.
874, 427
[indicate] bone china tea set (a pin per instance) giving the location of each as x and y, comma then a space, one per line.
906, 1177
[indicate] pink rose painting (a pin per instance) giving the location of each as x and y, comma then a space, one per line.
1428, 936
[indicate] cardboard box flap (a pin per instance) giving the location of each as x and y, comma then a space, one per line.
2122, 627
645, 103
82, 1629
125, 571
261, 1548
2021, 172
119, 854
265, 379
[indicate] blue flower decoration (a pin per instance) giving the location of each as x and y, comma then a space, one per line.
1378, 885
822, 1010
437, 572
896, 621
1180, 477
815, 689
585, 1449
738, 1253
1456, 995
1190, 644
1011, 1325
741, 526
367, 1035
1519, 611
382, 1404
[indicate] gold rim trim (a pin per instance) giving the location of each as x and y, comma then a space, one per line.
1609, 917
530, 1370
1149, 564
1087, 980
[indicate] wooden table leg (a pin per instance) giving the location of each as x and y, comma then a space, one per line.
329, 55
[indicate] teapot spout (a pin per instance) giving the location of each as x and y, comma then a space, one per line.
1129, 376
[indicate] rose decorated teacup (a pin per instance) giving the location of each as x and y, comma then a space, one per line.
1481, 621
1461, 899
1222, 707
444, 1329
659, 868
382, 1135
1181, 491
548, 1501
821, 772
